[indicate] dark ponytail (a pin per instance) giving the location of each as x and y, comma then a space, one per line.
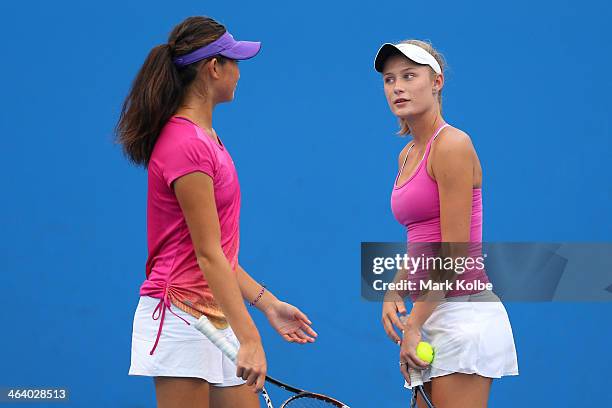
159, 87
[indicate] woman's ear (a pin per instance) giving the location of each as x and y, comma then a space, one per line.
438, 83
212, 68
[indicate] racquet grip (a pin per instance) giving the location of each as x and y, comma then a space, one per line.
416, 377
217, 338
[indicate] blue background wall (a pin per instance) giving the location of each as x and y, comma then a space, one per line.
315, 148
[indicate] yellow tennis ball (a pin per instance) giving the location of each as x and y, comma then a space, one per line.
425, 352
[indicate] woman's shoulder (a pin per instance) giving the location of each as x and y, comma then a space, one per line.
178, 133
177, 126
452, 139
451, 134
179, 140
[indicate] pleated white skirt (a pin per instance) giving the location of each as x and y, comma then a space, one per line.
182, 350
472, 335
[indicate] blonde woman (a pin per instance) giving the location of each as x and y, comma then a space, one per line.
437, 197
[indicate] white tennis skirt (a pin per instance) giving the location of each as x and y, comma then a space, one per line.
470, 334
182, 350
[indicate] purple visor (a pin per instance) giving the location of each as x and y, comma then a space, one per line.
225, 46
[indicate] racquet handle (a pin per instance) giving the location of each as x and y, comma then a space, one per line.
228, 348
416, 378
217, 338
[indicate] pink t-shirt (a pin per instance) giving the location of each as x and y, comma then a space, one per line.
172, 271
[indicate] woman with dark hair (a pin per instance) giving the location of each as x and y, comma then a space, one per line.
193, 208
437, 197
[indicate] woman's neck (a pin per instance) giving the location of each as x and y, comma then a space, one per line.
423, 127
199, 111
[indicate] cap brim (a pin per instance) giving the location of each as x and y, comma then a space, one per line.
242, 50
383, 53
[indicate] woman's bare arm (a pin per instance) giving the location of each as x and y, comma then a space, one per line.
452, 169
195, 194
196, 197
250, 289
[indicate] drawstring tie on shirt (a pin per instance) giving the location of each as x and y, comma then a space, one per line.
164, 303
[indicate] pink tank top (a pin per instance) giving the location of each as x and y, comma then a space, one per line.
416, 205
172, 271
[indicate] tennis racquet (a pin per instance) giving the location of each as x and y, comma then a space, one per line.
416, 383
416, 389
300, 399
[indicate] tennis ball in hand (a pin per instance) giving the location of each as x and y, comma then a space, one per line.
425, 352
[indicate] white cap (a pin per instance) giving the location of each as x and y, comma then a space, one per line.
411, 51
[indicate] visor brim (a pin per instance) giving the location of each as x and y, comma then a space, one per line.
383, 53
242, 50
388, 50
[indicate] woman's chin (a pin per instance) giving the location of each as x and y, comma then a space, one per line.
404, 113
408, 113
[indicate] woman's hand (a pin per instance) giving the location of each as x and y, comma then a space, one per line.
290, 322
392, 305
251, 364
408, 357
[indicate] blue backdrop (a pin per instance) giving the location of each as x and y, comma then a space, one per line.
314, 143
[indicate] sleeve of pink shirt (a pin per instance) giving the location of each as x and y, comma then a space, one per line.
188, 154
